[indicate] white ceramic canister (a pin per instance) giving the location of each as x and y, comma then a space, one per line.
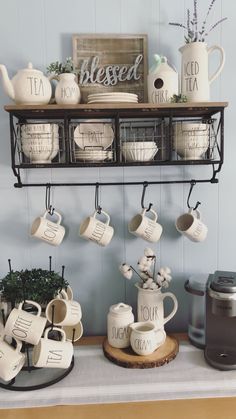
162, 81
119, 318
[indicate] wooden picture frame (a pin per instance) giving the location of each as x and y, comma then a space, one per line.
110, 63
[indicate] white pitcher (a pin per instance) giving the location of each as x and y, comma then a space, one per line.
67, 90
195, 81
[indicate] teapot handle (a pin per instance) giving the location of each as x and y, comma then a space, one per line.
222, 62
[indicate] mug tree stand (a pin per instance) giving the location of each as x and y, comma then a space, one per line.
36, 376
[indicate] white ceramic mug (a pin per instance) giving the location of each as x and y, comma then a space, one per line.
48, 231
150, 306
73, 333
11, 359
191, 226
65, 293
50, 353
63, 312
97, 231
145, 227
145, 337
24, 325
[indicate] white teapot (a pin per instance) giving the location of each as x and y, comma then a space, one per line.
29, 86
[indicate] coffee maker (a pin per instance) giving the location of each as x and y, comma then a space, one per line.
220, 328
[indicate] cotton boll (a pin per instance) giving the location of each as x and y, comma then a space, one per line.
128, 274
126, 271
149, 281
145, 286
153, 286
148, 252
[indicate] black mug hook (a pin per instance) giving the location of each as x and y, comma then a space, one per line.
192, 184
145, 185
48, 205
97, 206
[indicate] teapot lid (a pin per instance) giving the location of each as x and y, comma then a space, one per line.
120, 308
30, 68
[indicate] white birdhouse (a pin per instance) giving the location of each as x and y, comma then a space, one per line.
162, 81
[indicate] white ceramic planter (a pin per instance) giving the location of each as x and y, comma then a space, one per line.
67, 90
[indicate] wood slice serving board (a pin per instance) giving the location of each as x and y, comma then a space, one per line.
127, 358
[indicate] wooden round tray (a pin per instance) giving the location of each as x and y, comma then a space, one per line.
127, 358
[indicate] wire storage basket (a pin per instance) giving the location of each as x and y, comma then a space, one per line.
194, 139
92, 142
40, 142
143, 141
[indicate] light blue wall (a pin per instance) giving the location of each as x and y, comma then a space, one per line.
40, 31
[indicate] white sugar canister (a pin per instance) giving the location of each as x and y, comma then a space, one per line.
119, 318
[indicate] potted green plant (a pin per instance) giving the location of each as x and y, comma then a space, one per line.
195, 82
67, 90
39, 285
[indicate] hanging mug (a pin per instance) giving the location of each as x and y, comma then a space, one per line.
48, 231
195, 81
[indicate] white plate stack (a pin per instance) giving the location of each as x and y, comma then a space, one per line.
113, 97
93, 140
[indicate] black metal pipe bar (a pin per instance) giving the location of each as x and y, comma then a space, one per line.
161, 182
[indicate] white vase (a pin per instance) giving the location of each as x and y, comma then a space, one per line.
67, 90
150, 306
195, 81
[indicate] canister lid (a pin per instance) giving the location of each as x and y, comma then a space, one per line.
196, 284
120, 308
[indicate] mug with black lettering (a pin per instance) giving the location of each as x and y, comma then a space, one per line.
11, 359
97, 231
146, 227
24, 325
63, 312
191, 226
48, 231
50, 353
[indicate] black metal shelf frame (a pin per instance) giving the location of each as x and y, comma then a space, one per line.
171, 115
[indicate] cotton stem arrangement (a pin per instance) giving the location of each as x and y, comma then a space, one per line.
149, 278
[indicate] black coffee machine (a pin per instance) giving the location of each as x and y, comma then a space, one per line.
220, 328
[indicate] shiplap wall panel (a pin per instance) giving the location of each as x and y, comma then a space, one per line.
41, 32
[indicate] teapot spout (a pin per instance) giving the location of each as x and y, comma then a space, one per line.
7, 84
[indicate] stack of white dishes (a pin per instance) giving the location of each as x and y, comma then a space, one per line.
113, 97
93, 155
40, 142
139, 150
93, 140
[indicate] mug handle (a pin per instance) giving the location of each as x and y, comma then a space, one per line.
222, 61
152, 211
195, 213
49, 329
173, 297
64, 295
32, 303
54, 212
104, 213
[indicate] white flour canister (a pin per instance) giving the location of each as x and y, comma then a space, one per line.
162, 81
119, 318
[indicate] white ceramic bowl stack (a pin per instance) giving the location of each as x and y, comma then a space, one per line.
40, 142
191, 140
93, 141
139, 150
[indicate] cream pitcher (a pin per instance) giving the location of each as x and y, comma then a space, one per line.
195, 80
